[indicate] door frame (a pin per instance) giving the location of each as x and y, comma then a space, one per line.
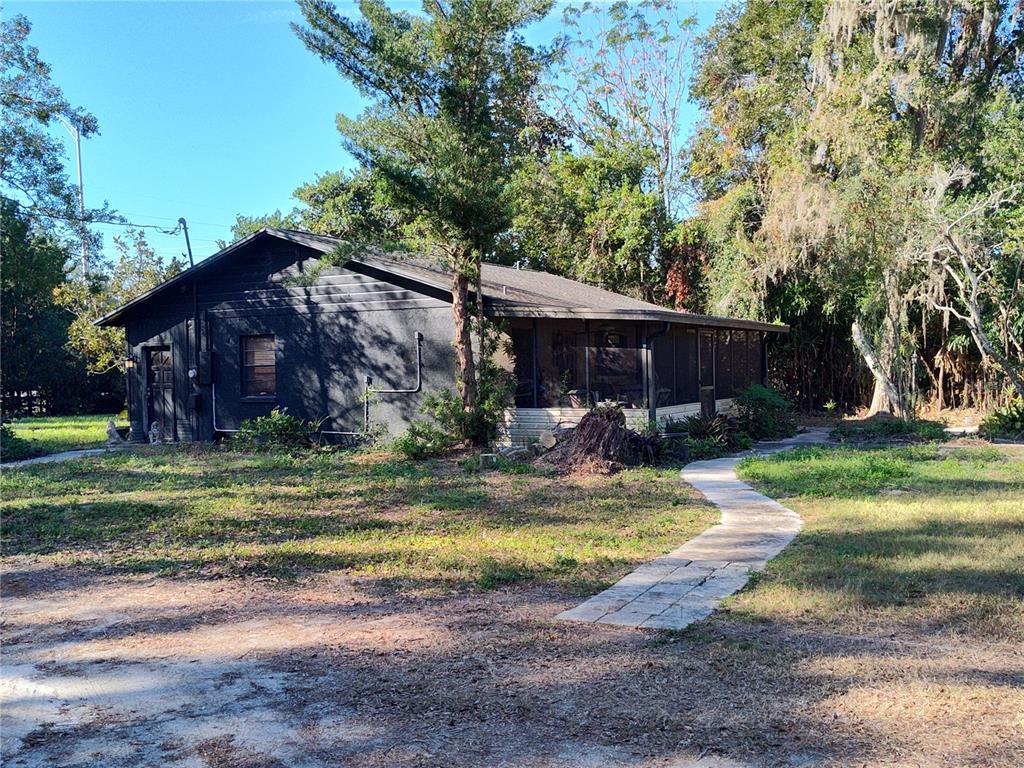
171, 428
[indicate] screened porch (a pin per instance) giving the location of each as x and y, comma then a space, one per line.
653, 370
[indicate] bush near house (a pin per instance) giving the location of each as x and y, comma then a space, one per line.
764, 414
422, 440
278, 431
710, 437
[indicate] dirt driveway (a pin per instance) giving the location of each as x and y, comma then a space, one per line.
130, 671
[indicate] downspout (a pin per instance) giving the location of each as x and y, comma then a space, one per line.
652, 405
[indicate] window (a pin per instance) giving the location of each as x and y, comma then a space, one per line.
259, 376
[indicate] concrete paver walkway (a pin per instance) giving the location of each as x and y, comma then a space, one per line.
687, 584
51, 457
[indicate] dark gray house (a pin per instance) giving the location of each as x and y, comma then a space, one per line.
262, 324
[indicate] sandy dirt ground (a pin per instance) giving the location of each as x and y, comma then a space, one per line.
115, 670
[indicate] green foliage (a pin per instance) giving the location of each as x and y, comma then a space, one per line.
764, 414
31, 141
883, 429
590, 216
478, 424
1006, 422
136, 269
249, 225
422, 440
709, 437
648, 445
278, 431
625, 66
450, 98
12, 447
790, 195
700, 449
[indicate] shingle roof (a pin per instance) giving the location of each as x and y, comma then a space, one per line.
508, 292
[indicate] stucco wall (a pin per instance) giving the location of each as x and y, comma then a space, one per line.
332, 329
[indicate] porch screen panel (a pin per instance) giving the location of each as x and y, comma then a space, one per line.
723, 366
738, 354
687, 388
522, 350
755, 347
615, 372
663, 353
561, 372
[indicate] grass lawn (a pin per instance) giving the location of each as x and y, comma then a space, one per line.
202, 510
898, 612
53, 434
923, 536
412, 620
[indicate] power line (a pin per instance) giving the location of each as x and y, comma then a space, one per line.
78, 220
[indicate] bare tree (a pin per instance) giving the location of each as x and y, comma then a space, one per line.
627, 70
969, 273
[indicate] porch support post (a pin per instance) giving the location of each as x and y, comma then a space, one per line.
536, 384
586, 360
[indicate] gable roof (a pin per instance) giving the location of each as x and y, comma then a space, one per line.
507, 291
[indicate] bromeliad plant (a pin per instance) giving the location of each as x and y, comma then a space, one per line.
709, 437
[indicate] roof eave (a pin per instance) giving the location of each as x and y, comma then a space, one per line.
667, 315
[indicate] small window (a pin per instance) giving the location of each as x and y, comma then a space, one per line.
259, 375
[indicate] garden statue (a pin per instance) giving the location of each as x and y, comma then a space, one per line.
155, 433
113, 438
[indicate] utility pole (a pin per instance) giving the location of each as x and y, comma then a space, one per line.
194, 373
73, 130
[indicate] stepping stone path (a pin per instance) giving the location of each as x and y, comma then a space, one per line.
687, 584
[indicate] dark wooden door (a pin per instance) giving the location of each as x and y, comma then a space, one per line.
160, 390
706, 363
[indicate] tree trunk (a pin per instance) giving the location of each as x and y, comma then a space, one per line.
886, 397
977, 329
463, 336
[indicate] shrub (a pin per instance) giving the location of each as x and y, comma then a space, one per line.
647, 443
764, 414
721, 428
480, 424
1006, 422
422, 440
278, 431
710, 437
705, 448
882, 428
12, 447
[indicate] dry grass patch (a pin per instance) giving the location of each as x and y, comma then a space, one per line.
410, 524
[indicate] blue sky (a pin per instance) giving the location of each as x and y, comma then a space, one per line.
205, 109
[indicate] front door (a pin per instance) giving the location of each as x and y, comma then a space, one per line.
160, 390
706, 362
